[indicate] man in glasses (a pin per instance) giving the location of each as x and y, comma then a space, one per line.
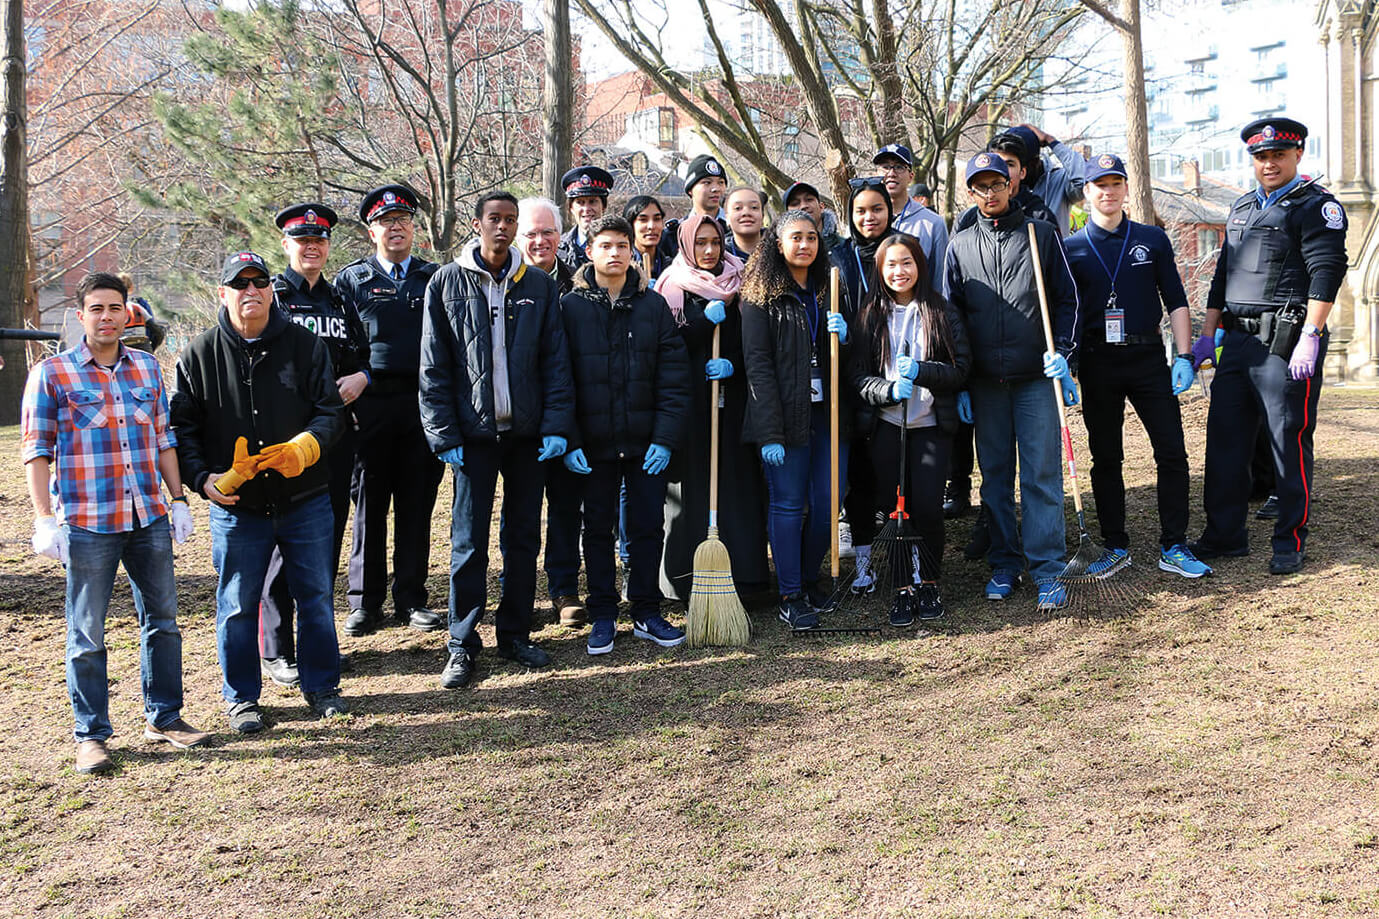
990, 279
256, 407
896, 167
394, 465
538, 236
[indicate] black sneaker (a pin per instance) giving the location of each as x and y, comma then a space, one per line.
246, 718
903, 609
459, 671
1287, 562
1204, 551
929, 603
796, 612
524, 652
327, 703
1268, 510
980, 542
957, 501
820, 600
362, 621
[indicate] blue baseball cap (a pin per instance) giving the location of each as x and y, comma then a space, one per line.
1107, 164
899, 151
986, 162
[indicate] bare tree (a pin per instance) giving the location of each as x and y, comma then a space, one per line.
1127, 25
14, 219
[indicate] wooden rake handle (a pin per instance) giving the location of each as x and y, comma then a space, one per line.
713, 440
834, 498
1048, 344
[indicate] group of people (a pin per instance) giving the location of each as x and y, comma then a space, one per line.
577, 367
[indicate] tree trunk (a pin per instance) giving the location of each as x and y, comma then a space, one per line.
557, 99
1141, 196
14, 212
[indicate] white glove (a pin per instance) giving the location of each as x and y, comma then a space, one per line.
181, 517
50, 539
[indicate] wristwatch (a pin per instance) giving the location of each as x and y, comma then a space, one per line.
1312, 330
1187, 356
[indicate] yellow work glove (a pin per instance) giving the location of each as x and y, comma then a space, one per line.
244, 468
292, 458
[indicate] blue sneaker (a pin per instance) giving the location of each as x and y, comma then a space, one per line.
601, 636
1052, 596
654, 628
1111, 561
1180, 560
796, 612
1002, 585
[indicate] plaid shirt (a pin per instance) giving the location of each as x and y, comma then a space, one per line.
102, 430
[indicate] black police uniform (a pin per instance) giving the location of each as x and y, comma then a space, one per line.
571, 252
395, 465
1273, 262
320, 309
581, 182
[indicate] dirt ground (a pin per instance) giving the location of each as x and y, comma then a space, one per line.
1213, 754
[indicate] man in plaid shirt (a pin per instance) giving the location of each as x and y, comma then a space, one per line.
95, 418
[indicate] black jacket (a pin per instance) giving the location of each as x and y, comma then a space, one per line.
323, 311
778, 352
268, 392
457, 357
1029, 202
941, 373
631, 372
571, 251
989, 275
391, 312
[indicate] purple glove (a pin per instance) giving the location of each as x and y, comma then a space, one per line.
1304, 360
1203, 352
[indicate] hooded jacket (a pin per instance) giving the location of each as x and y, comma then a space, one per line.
457, 356
630, 368
855, 256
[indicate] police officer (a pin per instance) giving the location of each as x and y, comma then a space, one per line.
308, 299
1276, 278
394, 463
586, 189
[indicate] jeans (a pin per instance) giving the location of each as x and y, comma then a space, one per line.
242, 542
1021, 418
471, 517
799, 506
645, 522
147, 555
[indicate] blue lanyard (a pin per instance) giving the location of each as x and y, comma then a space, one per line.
1109, 273
811, 314
861, 272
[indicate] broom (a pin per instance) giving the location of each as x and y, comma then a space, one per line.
716, 616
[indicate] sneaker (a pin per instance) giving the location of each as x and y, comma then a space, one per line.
280, 670
864, 580
1268, 510
524, 652
980, 542
1181, 561
93, 758
570, 610
798, 614
178, 733
821, 600
458, 671
957, 500
1052, 596
903, 609
929, 603
1200, 550
601, 636
1002, 585
327, 703
845, 547
246, 718
1111, 561
1287, 562
362, 621
655, 628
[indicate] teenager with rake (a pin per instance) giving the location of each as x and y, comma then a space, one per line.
910, 359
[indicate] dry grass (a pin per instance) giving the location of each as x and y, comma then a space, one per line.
1212, 756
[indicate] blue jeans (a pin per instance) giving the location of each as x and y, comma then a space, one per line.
1023, 418
147, 556
799, 505
242, 542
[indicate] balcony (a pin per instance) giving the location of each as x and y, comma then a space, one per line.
1202, 115
1269, 72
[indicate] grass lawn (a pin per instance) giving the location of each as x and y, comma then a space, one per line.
1214, 754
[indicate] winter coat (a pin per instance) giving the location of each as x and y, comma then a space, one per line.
940, 373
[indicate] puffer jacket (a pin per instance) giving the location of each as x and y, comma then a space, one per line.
456, 381
630, 368
941, 373
989, 275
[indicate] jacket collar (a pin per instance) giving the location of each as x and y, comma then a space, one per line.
277, 321
1012, 218
469, 260
588, 285
321, 291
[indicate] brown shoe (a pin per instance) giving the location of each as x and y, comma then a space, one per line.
571, 611
180, 734
92, 758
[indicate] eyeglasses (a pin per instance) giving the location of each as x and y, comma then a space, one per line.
867, 182
986, 191
259, 282
894, 167
397, 220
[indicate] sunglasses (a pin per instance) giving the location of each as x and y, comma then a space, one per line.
259, 282
868, 182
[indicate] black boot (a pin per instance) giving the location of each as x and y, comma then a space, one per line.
980, 542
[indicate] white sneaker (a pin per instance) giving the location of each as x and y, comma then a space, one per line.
845, 549
864, 582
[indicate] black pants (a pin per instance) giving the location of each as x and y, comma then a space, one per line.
962, 458
645, 520
861, 497
1252, 384
926, 460
564, 519
1111, 374
394, 467
276, 609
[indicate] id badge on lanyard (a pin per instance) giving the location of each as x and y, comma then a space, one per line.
1115, 321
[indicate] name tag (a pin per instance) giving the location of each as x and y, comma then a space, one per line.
1115, 322
816, 387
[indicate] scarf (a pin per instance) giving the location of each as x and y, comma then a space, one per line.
682, 276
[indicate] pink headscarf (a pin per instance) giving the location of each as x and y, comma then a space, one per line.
683, 275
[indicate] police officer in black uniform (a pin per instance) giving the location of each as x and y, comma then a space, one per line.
586, 190
308, 299
394, 463
1276, 278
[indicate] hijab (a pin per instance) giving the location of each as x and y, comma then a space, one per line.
683, 276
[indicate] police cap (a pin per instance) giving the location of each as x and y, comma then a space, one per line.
587, 182
384, 200
1274, 134
310, 219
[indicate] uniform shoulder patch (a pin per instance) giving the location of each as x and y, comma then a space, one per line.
1333, 214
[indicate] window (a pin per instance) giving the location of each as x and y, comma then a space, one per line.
1208, 240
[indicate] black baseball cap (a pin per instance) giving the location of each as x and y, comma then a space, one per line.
240, 262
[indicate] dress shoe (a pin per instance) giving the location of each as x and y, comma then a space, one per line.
92, 758
524, 652
459, 671
180, 734
1204, 551
281, 671
362, 621
570, 610
1287, 562
424, 620
1268, 510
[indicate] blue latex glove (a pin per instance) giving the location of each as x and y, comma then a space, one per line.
552, 445
902, 389
716, 311
1055, 366
1069, 389
965, 407
575, 462
454, 456
838, 326
907, 367
718, 369
1182, 375
657, 458
773, 454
